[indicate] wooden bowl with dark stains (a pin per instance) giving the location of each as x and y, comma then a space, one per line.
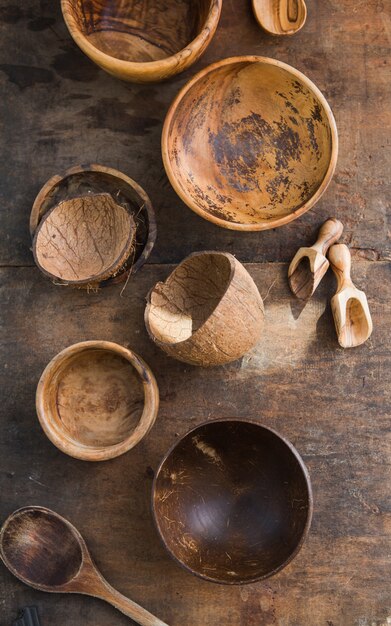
91, 226
96, 400
250, 143
142, 41
232, 501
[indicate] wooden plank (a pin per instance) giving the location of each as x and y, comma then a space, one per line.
58, 109
333, 404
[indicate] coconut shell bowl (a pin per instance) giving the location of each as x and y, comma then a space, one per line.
96, 400
208, 311
91, 226
232, 501
142, 41
250, 143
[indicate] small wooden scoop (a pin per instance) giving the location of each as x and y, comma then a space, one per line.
352, 317
45, 551
309, 265
280, 17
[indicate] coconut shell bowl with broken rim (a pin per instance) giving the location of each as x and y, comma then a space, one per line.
91, 226
232, 501
96, 400
142, 41
250, 143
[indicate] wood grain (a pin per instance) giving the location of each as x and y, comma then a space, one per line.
310, 264
96, 400
142, 41
280, 17
346, 446
94, 118
250, 143
334, 405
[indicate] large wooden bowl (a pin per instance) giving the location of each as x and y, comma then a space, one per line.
208, 311
250, 143
91, 226
232, 501
96, 400
142, 41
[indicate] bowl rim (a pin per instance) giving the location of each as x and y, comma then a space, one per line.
59, 436
37, 215
307, 479
263, 225
233, 266
144, 67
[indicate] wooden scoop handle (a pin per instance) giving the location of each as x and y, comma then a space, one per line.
341, 262
129, 608
329, 233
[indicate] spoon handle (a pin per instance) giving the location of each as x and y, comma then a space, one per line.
329, 233
340, 260
126, 606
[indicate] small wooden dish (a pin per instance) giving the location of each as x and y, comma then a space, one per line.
280, 17
208, 311
232, 501
96, 400
142, 41
250, 143
91, 226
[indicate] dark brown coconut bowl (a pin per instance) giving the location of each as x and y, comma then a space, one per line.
142, 41
250, 143
96, 400
232, 501
91, 226
208, 311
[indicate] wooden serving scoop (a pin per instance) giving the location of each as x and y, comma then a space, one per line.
309, 265
352, 317
45, 551
280, 17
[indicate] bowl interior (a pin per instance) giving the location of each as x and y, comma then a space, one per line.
248, 143
41, 547
140, 30
182, 304
85, 238
96, 398
232, 502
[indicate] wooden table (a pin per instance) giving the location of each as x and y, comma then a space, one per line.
57, 109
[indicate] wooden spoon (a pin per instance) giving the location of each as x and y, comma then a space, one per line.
309, 265
45, 551
280, 17
350, 309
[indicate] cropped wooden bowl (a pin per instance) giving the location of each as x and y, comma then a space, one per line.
250, 143
208, 311
232, 501
96, 400
91, 226
142, 41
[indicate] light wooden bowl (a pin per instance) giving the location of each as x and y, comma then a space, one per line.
91, 226
208, 311
232, 501
250, 143
96, 400
142, 41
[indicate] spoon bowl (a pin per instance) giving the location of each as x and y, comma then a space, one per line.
47, 552
41, 548
280, 17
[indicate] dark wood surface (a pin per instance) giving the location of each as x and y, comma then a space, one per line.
57, 109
